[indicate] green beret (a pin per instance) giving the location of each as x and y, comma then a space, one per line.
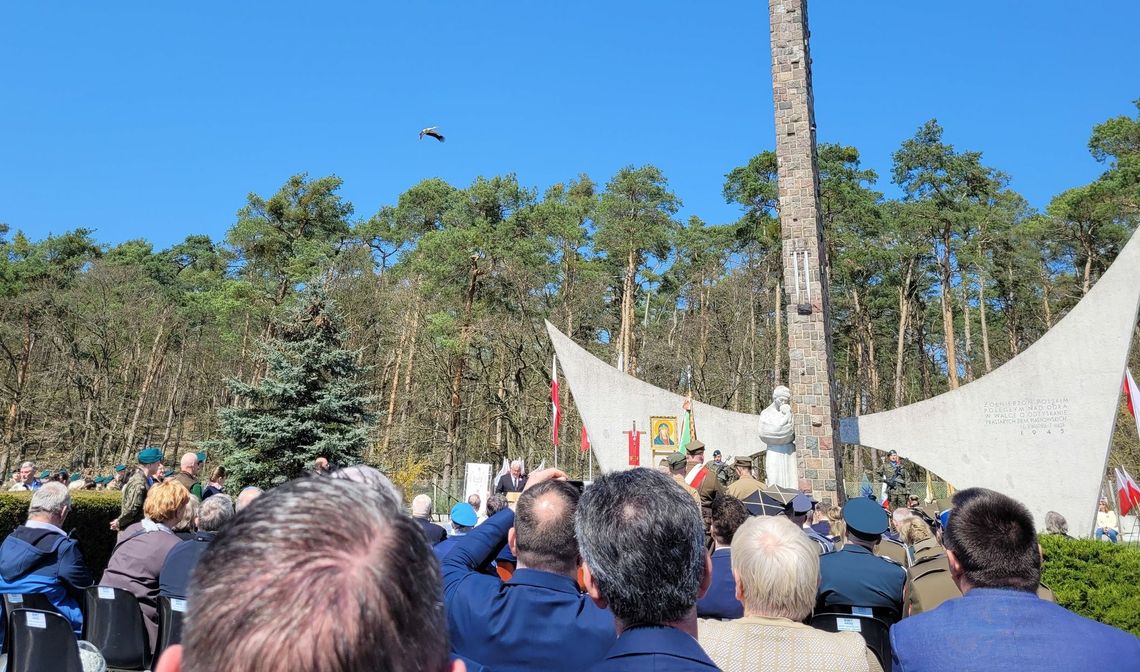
76, 477
120, 467
202, 456
150, 456
45, 474
168, 473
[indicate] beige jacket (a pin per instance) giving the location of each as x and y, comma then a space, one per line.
781, 645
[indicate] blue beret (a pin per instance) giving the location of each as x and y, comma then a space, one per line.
865, 516
463, 514
76, 477
120, 467
150, 456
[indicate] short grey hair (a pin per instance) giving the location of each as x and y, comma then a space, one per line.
372, 586
517, 463
643, 540
27, 465
777, 568
215, 512
51, 499
1055, 523
189, 513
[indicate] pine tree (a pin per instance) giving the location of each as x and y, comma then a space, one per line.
309, 404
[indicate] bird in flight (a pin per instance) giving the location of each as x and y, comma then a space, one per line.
431, 133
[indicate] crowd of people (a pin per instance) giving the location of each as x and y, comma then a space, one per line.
638, 570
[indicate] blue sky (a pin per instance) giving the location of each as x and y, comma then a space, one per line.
155, 119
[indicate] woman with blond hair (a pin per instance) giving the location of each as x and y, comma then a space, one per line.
142, 548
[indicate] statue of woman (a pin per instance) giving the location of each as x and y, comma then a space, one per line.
778, 432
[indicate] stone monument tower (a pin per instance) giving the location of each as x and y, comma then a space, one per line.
810, 371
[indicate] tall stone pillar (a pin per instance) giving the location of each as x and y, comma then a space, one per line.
810, 370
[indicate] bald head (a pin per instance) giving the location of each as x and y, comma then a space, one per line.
246, 497
189, 463
544, 528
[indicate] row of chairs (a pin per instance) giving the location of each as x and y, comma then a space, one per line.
872, 624
41, 640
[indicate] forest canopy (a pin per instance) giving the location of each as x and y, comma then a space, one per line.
442, 296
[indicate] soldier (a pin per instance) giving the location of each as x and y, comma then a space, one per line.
120, 477
134, 492
892, 474
853, 576
745, 484
678, 464
703, 479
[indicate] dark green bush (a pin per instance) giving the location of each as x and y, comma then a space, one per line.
91, 514
1095, 579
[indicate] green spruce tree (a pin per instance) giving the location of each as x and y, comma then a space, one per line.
309, 404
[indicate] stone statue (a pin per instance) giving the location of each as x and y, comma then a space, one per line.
778, 431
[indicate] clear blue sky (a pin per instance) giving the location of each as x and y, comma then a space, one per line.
155, 119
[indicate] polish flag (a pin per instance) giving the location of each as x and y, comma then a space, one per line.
1127, 491
585, 440
555, 409
1132, 395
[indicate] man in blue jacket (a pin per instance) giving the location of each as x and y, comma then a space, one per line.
39, 557
999, 623
538, 620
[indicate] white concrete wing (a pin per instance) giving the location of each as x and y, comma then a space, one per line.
1037, 428
609, 402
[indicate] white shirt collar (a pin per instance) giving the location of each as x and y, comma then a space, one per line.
40, 525
151, 526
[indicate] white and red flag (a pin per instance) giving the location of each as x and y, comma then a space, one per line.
585, 440
1126, 491
1132, 395
555, 408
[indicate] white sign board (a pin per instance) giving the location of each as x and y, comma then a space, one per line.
477, 482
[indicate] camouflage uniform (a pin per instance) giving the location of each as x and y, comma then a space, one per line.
895, 478
134, 495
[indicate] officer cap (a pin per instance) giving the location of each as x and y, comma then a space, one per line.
742, 462
696, 447
865, 517
801, 504
675, 460
150, 455
120, 467
716, 453
892, 452
463, 514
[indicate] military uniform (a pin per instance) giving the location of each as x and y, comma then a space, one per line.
744, 486
892, 474
705, 481
189, 482
688, 488
929, 582
134, 495
855, 577
892, 550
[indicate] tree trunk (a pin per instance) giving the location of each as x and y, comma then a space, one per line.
969, 353
153, 363
982, 320
172, 402
904, 317
458, 368
948, 310
13, 418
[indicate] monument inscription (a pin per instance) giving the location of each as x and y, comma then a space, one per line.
1036, 415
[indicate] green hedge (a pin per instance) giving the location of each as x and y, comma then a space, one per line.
1095, 579
91, 514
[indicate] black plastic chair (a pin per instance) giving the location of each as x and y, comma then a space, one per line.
875, 631
14, 601
113, 622
171, 611
41, 641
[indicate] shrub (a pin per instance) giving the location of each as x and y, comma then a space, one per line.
1095, 579
90, 517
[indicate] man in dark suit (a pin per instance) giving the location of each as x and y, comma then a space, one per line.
644, 557
728, 513
854, 576
991, 547
174, 579
537, 620
421, 511
512, 481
